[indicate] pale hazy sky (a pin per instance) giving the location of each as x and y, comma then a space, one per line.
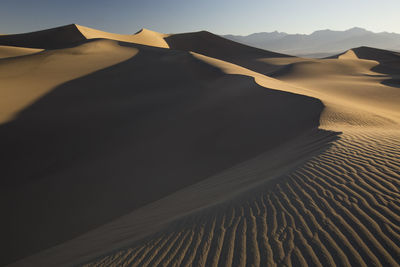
218, 16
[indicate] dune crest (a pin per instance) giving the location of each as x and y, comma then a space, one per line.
27, 78
13, 51
144, 36
74, 34
348, 55
45, 39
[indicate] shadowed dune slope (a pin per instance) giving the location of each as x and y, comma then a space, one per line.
371, 53
389, 63
214, 46
100, 146
208, 194
341, 208
46, 39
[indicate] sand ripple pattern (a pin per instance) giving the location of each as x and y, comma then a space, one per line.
341, 208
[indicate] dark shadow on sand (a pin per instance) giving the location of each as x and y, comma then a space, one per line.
211, 45
389, 63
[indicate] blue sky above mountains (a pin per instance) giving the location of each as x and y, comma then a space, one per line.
218, 16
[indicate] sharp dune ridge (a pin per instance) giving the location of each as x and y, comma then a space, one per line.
192, 150
74, 34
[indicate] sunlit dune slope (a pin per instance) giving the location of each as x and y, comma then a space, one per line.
354, 83
27, 78
144, 36
12, 51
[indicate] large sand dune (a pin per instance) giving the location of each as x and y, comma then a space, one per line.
214, 46
179, 150
72, 35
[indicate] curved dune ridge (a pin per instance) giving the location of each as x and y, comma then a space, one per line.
12, 51
262, 159
33, 74
144, 36
74, 34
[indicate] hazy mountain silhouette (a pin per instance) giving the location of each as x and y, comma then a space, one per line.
319, 43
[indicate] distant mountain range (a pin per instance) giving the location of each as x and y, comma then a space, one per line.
320, 43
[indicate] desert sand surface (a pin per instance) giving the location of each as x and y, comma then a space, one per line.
193, 150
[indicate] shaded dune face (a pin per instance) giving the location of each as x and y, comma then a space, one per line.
214, 46
389, 63
46, 39
97, 147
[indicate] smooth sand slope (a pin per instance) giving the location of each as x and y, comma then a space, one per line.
191, 156
13, 51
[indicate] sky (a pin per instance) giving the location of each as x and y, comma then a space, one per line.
217, 16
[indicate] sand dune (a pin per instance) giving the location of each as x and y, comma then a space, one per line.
25, 79
208, 44
74, 34
198, 152
144, 36
187, 120
349, 82
339, 208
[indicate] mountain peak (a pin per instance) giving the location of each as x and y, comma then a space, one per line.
356, 29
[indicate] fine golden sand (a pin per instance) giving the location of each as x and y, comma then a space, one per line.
193, 150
